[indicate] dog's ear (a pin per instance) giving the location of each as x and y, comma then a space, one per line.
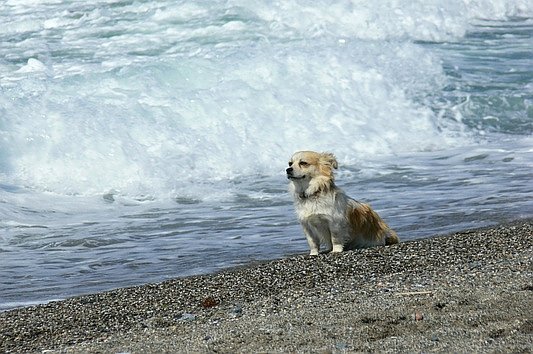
330, 159
326, 163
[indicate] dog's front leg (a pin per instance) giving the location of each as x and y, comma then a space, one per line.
338, 243
312, 239
328, 245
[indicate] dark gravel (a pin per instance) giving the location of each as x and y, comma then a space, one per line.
467, 292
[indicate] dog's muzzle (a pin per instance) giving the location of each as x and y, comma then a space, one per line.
289, 171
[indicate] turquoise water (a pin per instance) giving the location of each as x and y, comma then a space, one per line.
141, 140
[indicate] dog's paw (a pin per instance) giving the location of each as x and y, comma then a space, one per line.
313, 253
337, 249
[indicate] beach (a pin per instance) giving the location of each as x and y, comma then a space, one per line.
466, 292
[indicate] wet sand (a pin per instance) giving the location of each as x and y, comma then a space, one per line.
466, 292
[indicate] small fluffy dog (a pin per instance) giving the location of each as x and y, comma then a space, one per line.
328, 216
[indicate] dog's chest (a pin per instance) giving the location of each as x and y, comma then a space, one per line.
311, 208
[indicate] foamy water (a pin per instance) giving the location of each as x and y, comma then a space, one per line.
146, 140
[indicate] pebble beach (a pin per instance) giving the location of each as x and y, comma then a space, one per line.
466, 292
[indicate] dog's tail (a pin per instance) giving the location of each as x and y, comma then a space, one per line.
391, 238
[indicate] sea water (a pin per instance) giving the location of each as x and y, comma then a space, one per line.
145, 140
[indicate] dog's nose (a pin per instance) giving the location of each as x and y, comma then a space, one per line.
289, 170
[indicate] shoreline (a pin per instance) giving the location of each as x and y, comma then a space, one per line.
468, 291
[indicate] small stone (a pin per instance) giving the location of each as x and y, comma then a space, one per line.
187, 317
236, 311
209, 302
419, 316
341, 346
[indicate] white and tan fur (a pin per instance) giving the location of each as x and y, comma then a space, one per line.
328, 216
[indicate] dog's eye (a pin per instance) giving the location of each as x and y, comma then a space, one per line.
303, 164
290, 163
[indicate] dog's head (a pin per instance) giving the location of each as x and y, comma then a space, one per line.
305, 166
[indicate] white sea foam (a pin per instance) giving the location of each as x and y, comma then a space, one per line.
213, 92
146, 130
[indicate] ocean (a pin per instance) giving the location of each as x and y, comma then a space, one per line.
147, 140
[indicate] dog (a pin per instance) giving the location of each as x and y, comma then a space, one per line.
328, 216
